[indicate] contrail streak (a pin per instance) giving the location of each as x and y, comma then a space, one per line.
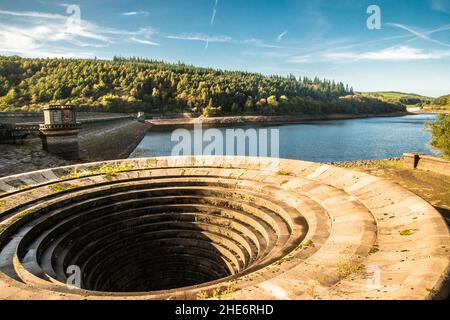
422, 35
281, 36
213, 18
214, 12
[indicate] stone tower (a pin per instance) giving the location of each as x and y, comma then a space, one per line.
59, 132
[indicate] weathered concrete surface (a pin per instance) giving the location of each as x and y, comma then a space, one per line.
105, 140
285, 229
426, 163
111, 140
431, 186
28, 157
38, 117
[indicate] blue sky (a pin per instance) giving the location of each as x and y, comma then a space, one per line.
324, 38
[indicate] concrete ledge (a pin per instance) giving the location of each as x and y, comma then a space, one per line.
426, 163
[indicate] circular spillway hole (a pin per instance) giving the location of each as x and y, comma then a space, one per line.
148, 262
155, 236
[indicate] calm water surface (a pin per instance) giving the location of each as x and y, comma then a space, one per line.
327, 141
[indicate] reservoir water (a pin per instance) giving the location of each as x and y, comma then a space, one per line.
329, 141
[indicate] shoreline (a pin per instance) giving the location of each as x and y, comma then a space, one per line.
431, 112
170, 124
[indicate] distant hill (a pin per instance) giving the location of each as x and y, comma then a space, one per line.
441, 103
407, 99
136, 84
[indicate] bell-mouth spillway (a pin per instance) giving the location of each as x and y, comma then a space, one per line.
213, 227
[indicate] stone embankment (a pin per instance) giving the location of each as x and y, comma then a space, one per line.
429, 110
426, 163
102, 137
188, 122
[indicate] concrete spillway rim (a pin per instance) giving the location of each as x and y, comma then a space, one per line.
423, 270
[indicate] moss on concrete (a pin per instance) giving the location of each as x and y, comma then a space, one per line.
61, 187
110, 171
349, 267
284, 172
76, 174
408, 232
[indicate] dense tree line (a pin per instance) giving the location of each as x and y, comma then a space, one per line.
135, 84
412, 101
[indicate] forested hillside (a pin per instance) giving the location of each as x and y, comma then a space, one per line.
130, 85
408, 99
441, 103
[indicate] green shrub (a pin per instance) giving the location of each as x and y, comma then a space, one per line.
440, 131
211, 111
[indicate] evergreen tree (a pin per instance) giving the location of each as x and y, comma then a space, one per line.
137, 84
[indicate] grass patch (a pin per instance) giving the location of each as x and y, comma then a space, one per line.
284, 182
284, 172
305, 245
61, 187
216, 294
76, 174
408, 232
202, 295
24, 187
347, 268
374, 249
119, 186
110, 171
27, 212
2, 203
302, 246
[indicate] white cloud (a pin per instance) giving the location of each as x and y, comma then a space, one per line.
51, 33
143, 41
401, 53
300, 59
260, 44
221, 39
200, 37
14, 41
398, 53
33, 14
135, 13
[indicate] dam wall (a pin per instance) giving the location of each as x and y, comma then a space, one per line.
426, 163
